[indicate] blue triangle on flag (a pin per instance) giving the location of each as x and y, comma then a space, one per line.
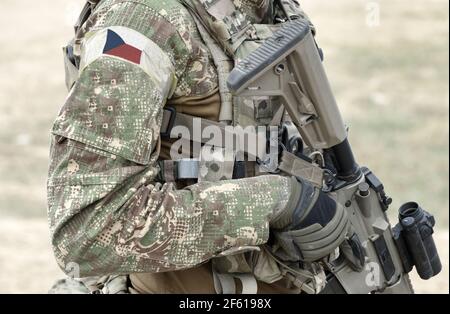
113, 40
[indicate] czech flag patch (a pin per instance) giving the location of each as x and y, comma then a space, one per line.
132, 47
116, 46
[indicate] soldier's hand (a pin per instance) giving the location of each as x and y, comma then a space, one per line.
309, 228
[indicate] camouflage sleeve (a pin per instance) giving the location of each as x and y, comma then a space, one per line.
107, 214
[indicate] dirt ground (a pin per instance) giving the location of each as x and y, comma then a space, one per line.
388, 64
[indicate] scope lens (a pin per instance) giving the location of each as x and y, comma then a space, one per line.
410, 209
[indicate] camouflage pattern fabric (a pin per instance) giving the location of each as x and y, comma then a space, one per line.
106, 211
256, 11
116, 284
68, 286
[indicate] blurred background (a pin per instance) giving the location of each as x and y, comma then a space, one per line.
388, 64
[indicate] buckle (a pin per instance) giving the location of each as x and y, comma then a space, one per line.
166, 126
187, 168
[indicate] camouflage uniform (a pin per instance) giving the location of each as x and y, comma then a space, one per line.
107, 211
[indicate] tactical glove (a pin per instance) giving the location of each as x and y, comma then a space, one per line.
311, 226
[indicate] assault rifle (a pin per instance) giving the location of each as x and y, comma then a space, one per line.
289, 66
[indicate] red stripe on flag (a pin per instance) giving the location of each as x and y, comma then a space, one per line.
126, 52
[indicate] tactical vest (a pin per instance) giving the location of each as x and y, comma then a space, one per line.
230, 36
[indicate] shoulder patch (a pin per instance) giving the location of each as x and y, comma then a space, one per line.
131, 46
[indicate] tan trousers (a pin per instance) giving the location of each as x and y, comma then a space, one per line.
197, 280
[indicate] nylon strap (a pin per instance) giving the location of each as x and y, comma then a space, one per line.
172, 119
224, 65
85, 13
289, 163
249, 284
295, 166
225, 284
256, 142
187, 168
